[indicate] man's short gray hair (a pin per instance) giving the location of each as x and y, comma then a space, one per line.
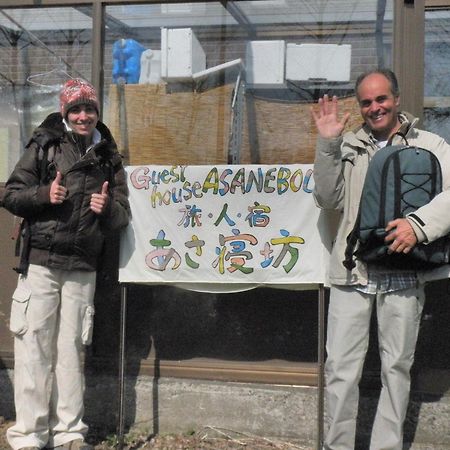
387, 73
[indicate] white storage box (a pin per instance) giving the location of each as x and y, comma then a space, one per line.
181, 54
330, 62
264, 63
150, 67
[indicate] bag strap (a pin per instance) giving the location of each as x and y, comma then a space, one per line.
22, 233
397, 133
352, 239
25, 237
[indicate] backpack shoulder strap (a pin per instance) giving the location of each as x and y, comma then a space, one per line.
111, 166
397, 133
352, 239
46, 155
22, 230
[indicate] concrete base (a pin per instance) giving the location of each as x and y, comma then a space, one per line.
289, 413
171, 405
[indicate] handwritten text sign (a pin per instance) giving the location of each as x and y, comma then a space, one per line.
222, 225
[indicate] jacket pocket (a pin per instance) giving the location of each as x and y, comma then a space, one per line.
18, 321
88, 325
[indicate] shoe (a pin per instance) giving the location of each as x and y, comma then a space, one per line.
30, 448
77, 444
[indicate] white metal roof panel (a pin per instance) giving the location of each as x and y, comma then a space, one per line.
200, 14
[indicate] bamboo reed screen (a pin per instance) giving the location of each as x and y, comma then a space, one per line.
153, 126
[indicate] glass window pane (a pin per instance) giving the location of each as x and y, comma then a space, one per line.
198, 83
437, 68
201, 83
40, 49
432, 347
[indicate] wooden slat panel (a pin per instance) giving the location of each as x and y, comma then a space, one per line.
274, 372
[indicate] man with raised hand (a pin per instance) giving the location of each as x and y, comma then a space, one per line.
339, 171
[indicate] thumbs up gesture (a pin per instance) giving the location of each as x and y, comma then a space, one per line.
58, 192
99, 201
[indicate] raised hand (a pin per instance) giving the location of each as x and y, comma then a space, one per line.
99, 201
58, 193
327, 120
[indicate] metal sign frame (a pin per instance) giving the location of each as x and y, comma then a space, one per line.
320, 365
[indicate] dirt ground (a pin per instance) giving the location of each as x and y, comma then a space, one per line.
205, 439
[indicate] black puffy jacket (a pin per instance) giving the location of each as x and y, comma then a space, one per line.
68, 236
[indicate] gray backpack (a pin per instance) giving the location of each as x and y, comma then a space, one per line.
399, 180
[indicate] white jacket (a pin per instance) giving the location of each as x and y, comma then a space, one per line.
340, 168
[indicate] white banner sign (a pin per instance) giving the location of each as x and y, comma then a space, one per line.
222, 228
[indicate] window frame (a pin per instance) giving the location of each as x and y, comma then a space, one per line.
408, 40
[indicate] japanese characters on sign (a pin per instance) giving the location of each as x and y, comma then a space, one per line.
226, 225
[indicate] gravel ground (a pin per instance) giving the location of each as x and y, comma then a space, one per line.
205, 439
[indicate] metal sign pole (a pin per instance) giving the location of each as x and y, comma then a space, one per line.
122, 359
321, 366
237, 109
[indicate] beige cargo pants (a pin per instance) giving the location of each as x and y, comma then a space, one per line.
52, 318
398, 315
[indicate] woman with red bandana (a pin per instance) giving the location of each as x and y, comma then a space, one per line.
70, 189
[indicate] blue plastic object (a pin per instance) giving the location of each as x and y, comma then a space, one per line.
127, 61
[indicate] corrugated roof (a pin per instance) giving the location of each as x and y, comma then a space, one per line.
196, 14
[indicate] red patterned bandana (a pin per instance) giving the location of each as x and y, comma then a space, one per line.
77, 92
